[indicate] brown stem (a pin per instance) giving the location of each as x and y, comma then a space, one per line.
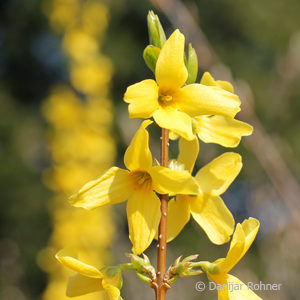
161, 286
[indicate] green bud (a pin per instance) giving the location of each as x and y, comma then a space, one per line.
144, 277
192, 65
177, 261
157, 35
191, 257
190, 272
150, 55
207, 267
172, 279
146, 259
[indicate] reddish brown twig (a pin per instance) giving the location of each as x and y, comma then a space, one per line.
160, 286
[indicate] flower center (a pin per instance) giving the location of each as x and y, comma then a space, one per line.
165, 98
141, 179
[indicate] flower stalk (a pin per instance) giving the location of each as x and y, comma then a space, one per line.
161, 287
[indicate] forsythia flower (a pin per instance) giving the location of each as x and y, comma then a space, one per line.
89, 279
207, 209
138, 186
169, 101
221, 130
243, 237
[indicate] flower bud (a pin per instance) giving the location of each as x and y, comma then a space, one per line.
192, 65
150, 55
157, 35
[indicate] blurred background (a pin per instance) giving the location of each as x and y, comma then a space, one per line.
64, 67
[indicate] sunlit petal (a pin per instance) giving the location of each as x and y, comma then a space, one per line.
142, 98
222, 130
113, 187
198, 99
235, 252
170, 71
250, 228
241, 290
188, 152
242, 239
111, 292
79, 285
213, 216
207, 79
174, 120
216, 176
143, 214
66, 257
220, 279
138, 155
178, 216
166, 181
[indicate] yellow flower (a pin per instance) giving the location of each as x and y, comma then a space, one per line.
207, 209
243, 237
169, 101
138, 186
80, 45
89, 279
222, 130
92, 76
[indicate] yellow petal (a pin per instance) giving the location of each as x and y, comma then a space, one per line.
170, 71
221, 280
113, 187
115, 280
216, 176
178, 216
143, 214
242, 239
142, 98
225, 85
198, 99
213, 216
222, 130
235, 251
111, 292
79, 285
207, 79
138, 155
174, 120
188, 152
173, 136
241, 292
167, 181
66, 257
250, 228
